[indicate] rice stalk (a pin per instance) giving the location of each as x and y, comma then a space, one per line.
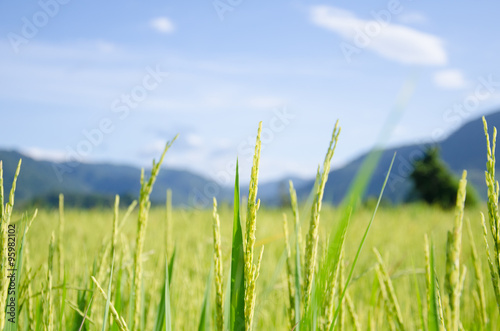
298, 257
341, 301
478, 273
494, 276
493, 213
60, 237
129, 211
1, 195
122, 325
50, 301
390, 318
114, 238
79, 312
168, 221
5, 215
289, 275
108, 299
331, 292
453, 249
435, 320
219, 294
374, 300
251, 270
388, 291
312, 234
144, 206
352, 313
29, 292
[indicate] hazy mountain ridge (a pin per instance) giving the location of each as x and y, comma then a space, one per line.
39, 178
463, 149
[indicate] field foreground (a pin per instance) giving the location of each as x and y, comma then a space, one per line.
398, 234
410, 267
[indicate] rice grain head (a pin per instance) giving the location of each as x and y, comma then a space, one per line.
250, 270
453, 249
312, 235
142, 220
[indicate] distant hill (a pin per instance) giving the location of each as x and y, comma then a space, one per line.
94, 184
41, 180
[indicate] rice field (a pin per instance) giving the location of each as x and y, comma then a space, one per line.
311, 266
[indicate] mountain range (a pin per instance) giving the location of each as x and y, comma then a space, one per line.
42, 181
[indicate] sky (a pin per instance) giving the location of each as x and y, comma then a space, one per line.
113, 81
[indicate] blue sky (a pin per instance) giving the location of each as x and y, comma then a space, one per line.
113, 81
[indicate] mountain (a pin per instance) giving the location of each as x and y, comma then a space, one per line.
44, 180
464, 149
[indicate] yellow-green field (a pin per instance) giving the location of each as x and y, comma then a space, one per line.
398, 233
419, 267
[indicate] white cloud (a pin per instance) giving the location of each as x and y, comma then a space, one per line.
450, 79
162, 25
45, 154
392, 41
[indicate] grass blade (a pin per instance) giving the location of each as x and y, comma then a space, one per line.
162, 308
168, 274
237, 317
118, 319
298, 264
171, 266
341, 234
86, 311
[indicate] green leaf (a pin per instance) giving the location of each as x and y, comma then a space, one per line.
165, 296
171, 266
168, 273
84, 315
237, 317
298, 267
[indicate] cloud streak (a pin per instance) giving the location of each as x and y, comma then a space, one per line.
392, 41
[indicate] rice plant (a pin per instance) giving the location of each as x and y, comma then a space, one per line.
93, 270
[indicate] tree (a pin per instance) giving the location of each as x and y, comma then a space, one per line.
434, 183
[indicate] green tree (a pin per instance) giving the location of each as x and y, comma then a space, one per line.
434, 183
